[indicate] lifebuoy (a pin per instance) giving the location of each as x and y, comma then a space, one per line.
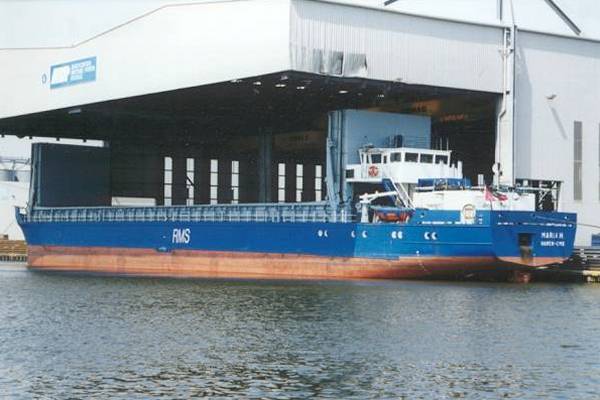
373, 170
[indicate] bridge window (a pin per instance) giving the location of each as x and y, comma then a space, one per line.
168, 181
376, 158
427, 158
411, 157
441, 160
396, 157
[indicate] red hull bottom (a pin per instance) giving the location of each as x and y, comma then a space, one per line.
207, 264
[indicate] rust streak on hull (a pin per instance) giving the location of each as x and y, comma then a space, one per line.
533, 262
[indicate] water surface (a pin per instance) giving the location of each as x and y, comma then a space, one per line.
74, 336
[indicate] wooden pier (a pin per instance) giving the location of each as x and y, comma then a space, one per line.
587, 259
13, 250
582, 266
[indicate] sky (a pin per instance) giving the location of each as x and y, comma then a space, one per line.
38, 23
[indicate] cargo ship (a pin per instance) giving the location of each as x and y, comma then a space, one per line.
411, 215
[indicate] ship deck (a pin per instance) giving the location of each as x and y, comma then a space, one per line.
260, 212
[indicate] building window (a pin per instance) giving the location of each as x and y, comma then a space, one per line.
214, 181
299, 182
189, 180
235, 182
281, 182
168, 181
318, 182
578, 162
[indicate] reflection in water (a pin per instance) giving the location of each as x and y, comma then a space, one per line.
81, 336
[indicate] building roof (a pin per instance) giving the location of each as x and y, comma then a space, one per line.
66, 22
162, 46
528, 15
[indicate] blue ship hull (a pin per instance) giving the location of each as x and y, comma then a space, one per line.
432, 244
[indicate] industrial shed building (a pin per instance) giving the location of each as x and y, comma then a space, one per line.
255, 81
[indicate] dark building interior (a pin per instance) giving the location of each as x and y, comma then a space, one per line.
238, 135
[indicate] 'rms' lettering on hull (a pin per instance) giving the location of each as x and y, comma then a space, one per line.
181, 236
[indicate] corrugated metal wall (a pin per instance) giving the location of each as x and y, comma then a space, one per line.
352, 41
378, 128
557, 93
176, 46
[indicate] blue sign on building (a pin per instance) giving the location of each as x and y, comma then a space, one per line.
73, 72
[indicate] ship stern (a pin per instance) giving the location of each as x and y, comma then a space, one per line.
533, 239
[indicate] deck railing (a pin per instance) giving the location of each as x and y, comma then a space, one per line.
284, 212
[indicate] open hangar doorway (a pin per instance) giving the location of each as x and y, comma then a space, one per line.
464, 122
256, 139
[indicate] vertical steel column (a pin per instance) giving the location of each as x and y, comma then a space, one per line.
179, 192
308, 192
500, 10
225, 194
248, 180
504, 166
202, 179
334, 162
290, 182
265, 166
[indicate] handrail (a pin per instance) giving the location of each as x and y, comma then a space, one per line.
280, 213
